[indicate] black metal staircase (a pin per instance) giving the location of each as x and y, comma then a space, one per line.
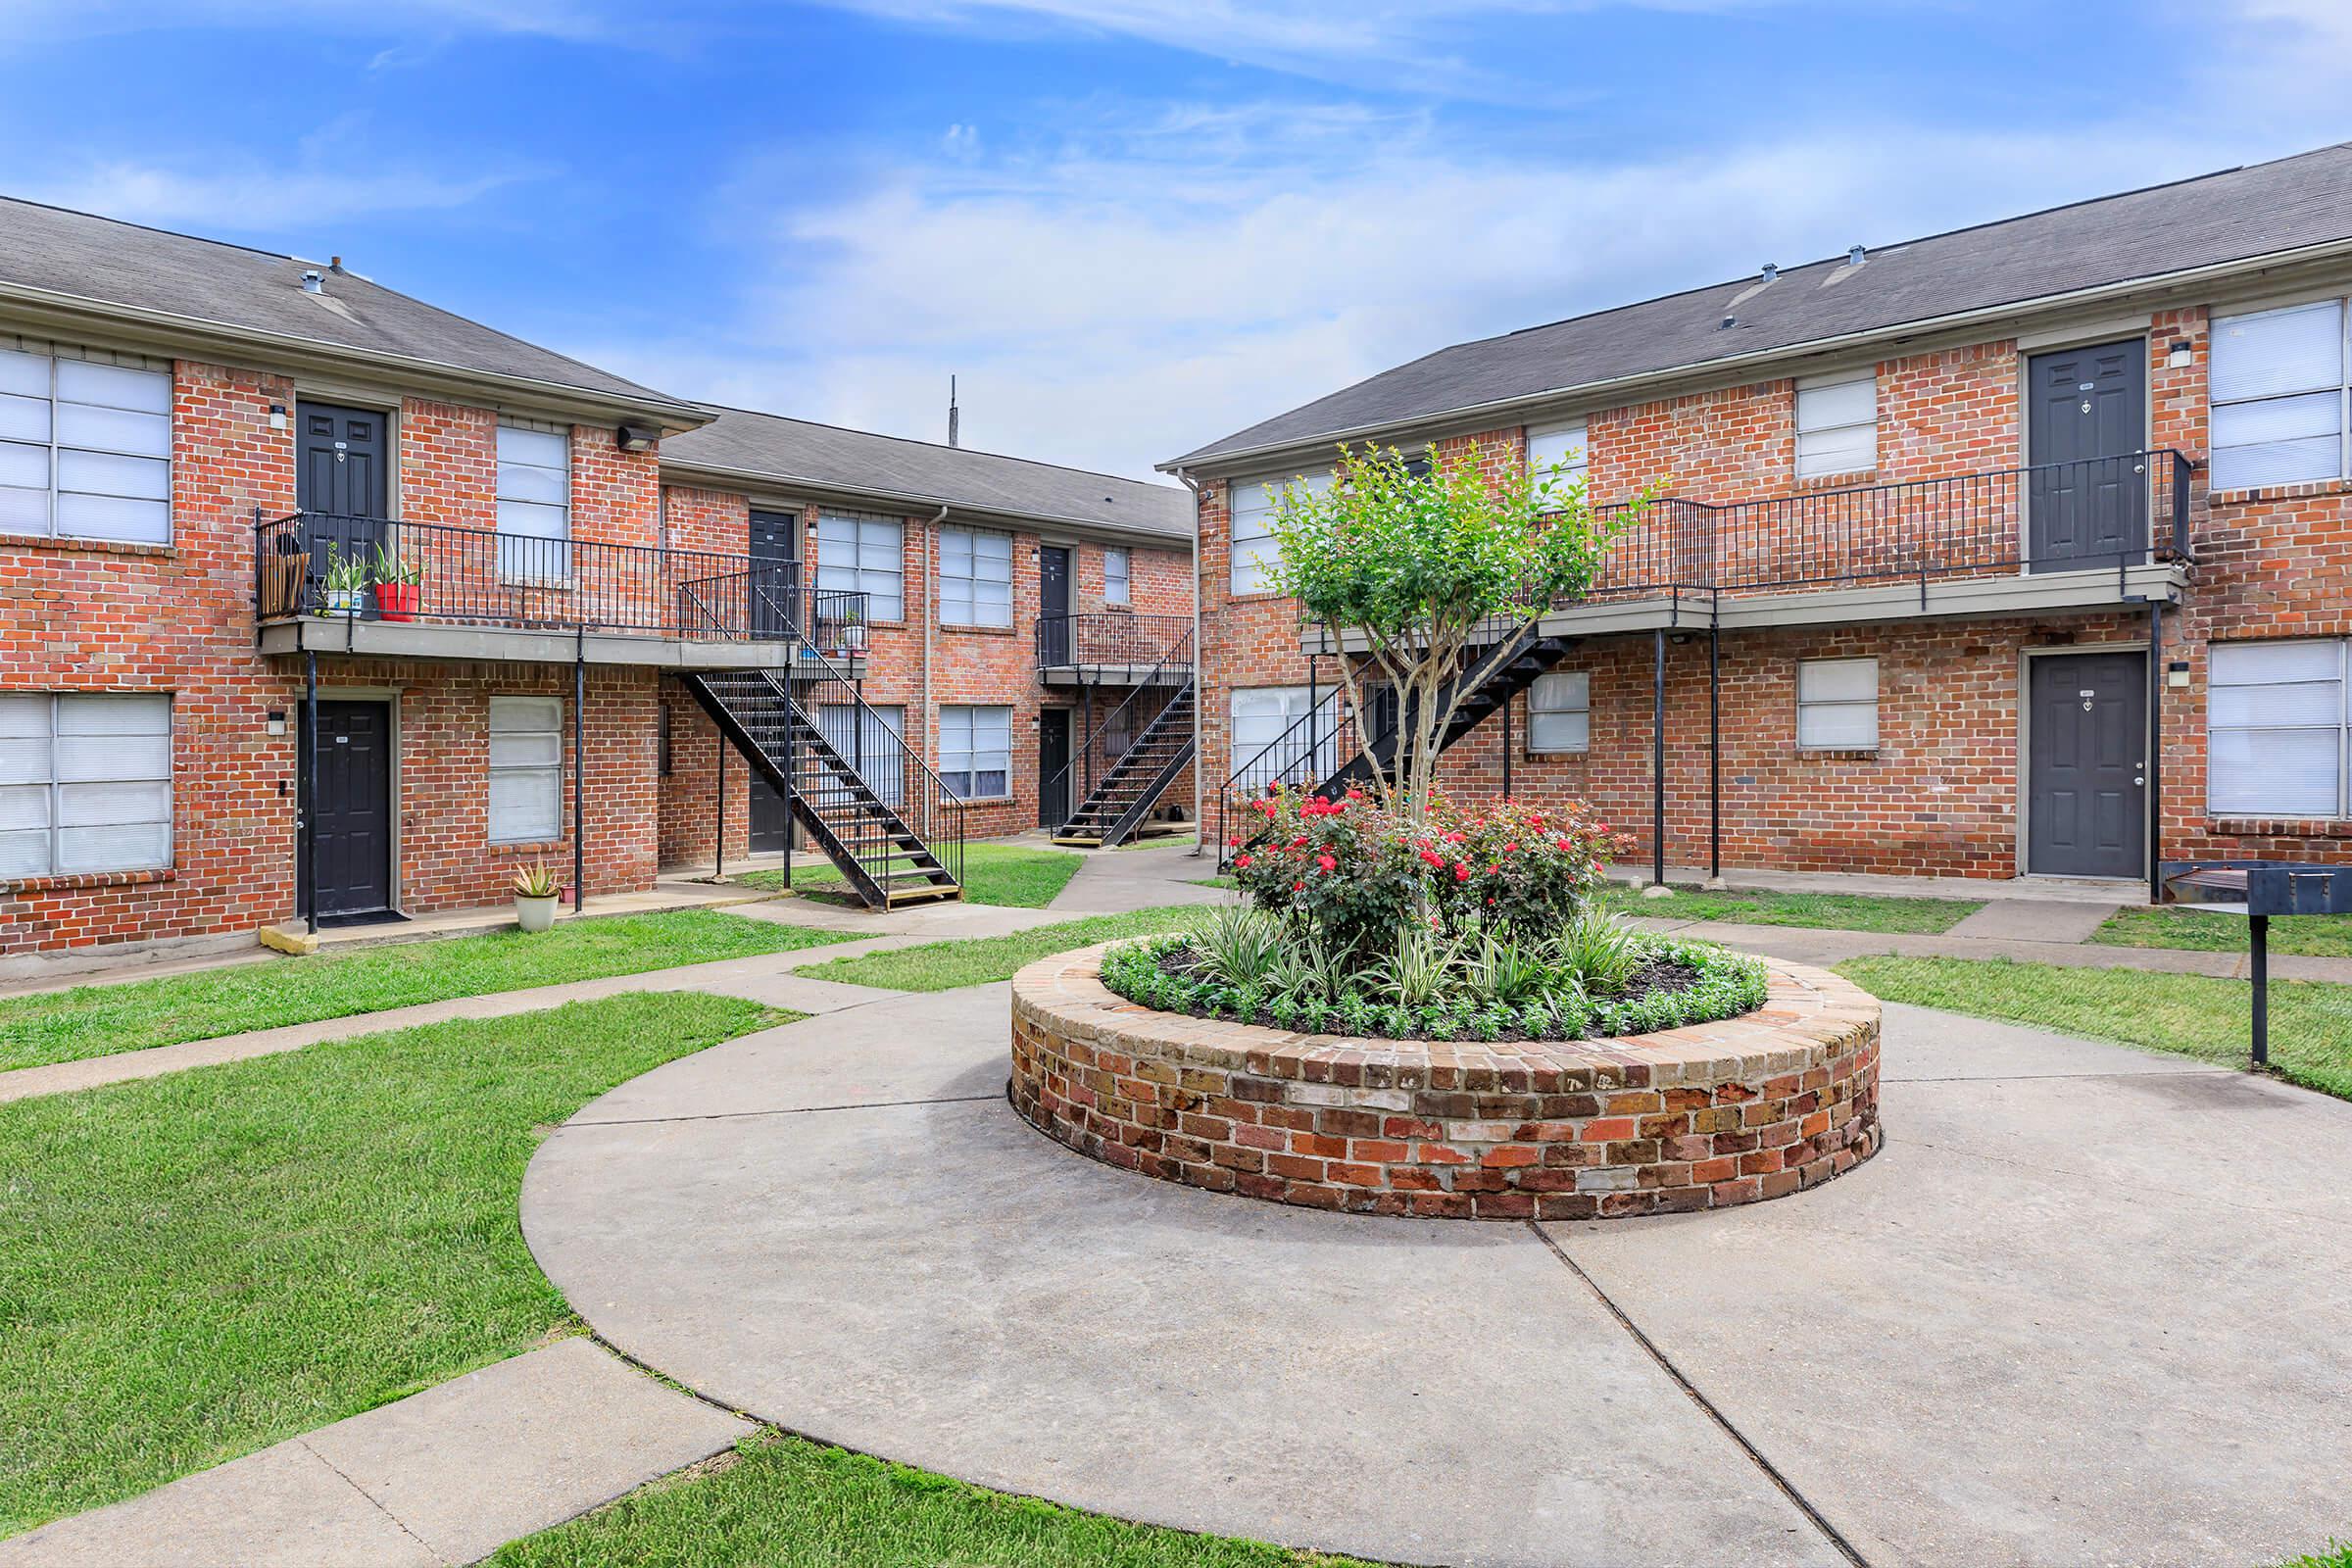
1114, 810
891, 851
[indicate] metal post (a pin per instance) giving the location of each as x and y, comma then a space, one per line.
308, 760
1314, 704
2155, 740
579, 777
2260, 924
1714, 754
1506, 747
791, 777
719, 867
1657, 759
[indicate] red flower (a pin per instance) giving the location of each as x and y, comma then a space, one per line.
1433, 857
1297, 842
1508, 847
1495, 869
1453, 838
1461, 873
1561, 844
1354, 794
1241, 862
1297, 887
1327, 862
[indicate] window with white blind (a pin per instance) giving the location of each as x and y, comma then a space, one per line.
1837, 704
527, 769
1252, 511
1116, 589
85, 449
861, 554
1836, 424
1564, 444
975, 578
85, 783
868, 742
2279, 729
2279, 389
1271, 742
975, 752
1559, 712
535, 505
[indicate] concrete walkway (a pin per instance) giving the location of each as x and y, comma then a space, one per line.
2087, 1307
447, 1476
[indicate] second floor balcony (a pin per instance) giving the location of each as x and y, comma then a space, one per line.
1114, 647
331, 583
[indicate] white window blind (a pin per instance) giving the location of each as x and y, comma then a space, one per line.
1115, 586
535, 505
85, 783
1559, 712
1253, 548
85, 449
2279, 393
2277, 727
861, 554
975, 752
527, 769
870, 747
1836, 425
1272, 743
975, 578
1564, 444
1838, 704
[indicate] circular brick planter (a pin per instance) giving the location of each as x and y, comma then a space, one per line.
1699, 1117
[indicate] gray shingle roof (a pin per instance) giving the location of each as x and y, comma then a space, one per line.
858, 462
2234, 215
242, 290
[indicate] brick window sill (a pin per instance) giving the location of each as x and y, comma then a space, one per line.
962, 627
2321, 827
534, 847
1837, 753
84, 881
1833, 481
2278, 492
1535, 756
85, 547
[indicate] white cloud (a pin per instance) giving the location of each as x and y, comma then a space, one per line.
251, 198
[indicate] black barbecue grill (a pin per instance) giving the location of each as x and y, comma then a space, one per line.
2258, 889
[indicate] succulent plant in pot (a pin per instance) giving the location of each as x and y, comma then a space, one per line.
535, 892
345, 582
398, 584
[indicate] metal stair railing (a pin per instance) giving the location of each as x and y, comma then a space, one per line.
1092, 762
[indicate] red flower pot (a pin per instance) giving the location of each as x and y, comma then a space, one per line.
397, 600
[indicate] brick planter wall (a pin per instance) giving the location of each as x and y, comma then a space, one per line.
1698, 1117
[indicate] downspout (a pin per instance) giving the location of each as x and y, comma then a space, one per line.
1200, 667
930, 629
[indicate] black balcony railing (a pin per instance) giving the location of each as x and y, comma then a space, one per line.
1110, 637
323, 563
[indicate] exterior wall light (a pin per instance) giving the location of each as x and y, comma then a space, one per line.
2179, 357
637, 437
277, 416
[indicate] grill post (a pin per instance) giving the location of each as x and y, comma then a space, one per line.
1715, 754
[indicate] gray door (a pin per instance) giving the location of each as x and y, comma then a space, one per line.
775, 545
2087, 747
341, 478
1054, 804
355, 809
2087, 420
1053, 605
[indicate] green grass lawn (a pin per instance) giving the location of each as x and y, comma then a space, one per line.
976, 960
783, 1502
199, 1266
100, 1020
2185, 1015
2337, 1555
1012, 876
2316, 936
1842, 911
1174, 841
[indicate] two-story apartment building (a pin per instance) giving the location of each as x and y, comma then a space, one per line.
2021, 550
320, 604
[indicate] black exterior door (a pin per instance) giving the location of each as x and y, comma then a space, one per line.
1053, 605
2087, 420
771, 823
2088, 748
1053, 803
354, 831
775, 553
340, 476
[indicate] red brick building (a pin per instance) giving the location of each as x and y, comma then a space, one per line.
2023, 550
240, 489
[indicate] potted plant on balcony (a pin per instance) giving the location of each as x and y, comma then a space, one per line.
397, 581
535, 891
853, 629
345, 582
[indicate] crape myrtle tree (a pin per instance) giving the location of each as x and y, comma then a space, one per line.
1422, 571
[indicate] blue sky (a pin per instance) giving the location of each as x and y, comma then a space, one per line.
1128, 225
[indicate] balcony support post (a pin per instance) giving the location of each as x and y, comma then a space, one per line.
579, 772
1657, 759
1714, 755
1506, 747
308, 760
2154, 773
718, 846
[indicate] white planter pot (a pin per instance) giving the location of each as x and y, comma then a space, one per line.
342, 602
535, 915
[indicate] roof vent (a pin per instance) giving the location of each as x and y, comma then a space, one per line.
335, 264
1771, 271
1729, 322
1855, 257
312, 283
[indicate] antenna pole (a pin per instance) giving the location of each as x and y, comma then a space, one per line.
955, 416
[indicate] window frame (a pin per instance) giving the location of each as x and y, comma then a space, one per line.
1798, 430
2341, 390
53, 787
1124, 576
491, 768
554, 550
56, 446
1873, 703
1582, 447
1239, 566
1293, 701
834, 576
969, 714
971, 580
1583, 709
2341, 726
